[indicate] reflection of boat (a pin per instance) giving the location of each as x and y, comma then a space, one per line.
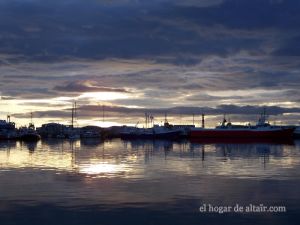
91, 141
287, 141
227, 130
7, 144
31, 146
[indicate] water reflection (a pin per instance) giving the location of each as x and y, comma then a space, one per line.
131, 159
167, 180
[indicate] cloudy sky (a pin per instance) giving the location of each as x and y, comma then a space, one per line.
159, 56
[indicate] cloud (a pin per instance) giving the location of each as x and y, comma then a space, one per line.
165, 53
93, 110
86, 86
291, 47
53, 31
199, 3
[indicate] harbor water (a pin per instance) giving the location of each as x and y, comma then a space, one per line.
85, 182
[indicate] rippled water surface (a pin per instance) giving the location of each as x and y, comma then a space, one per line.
147, 182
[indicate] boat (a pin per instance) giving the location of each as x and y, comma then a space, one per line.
91, 134
135, 132
8, 130
61, 136
74, 136
243, 140
73, 133
262, 130
29, 133
167, 131
297, 132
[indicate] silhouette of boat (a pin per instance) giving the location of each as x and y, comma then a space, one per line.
29, 133
297, 132
262, 130
91, 134
155, 132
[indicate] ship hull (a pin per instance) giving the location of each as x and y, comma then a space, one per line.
242, 133
151, 135
169, 134
30, 137
297, 133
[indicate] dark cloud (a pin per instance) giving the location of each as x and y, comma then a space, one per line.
56, 30
291, 47
170, 52
208, 98
93, 111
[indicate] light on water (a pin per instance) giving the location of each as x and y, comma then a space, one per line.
108, 180
102, 169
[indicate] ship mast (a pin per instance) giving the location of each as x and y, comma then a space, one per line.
103, 114
73, 114
166, 120
203, 125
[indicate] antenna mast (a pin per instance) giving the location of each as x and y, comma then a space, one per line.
103, 113
72, 121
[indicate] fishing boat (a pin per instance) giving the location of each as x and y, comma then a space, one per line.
60, 136
166, 131
74, 136
135, 132
297, 132
262, 129
73, 133
8, 129
91, 134
29, 133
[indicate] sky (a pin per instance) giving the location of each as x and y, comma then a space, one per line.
130, 57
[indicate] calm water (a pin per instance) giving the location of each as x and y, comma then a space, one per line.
146, 182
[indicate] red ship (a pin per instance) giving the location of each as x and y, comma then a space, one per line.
261, 130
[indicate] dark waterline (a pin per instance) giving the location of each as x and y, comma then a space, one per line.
146, 182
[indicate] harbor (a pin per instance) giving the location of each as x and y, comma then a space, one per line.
226, 130
139, 112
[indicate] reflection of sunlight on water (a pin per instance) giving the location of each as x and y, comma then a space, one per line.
103, 169
142, 159
22, 159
